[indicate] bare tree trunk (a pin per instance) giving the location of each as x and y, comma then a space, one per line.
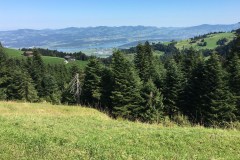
76, 88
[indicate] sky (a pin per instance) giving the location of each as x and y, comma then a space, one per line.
53, 14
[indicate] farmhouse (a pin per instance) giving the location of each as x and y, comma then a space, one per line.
69, 58
28, 53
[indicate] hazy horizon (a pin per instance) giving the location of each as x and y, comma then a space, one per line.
58, 14
112, 26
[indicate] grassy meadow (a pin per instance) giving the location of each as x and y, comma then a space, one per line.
211, 41
44, 131
13, 53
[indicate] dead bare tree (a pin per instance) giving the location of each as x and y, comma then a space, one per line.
76, 87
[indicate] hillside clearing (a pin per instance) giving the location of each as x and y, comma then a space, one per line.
13, 53
211, 41
44, 131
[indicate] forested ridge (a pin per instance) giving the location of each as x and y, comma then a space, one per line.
203, 89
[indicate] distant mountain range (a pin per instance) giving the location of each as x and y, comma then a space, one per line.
73, 39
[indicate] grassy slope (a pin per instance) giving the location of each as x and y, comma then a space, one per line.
47, 59
211, 41
43, 131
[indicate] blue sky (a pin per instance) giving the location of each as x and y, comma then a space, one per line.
39, 14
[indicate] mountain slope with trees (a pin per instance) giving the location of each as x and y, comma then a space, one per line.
182, 85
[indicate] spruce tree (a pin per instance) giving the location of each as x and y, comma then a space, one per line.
158, 73
36, 68
106, 89
190, 60
152, 102
140, 61
173, 88
125, 97
3, 74
234, 81
193, 94
91, 91
50, 91
218, 103
144, 61
21, 87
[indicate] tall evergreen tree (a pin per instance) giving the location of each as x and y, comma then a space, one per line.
36, 68
173, 88
191, 58
21, 87
140, 60
3, 74
234, 79
91, 92
153, 103
144, 61
106, 89
193, 94
125, 97
50, 91
218, 103
158, 74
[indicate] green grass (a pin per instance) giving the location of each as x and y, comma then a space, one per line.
13, 53
211, 41
43, 131
52, 60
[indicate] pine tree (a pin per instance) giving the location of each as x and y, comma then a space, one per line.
91, 93
125, 97
173, 88
153, 103
218, 103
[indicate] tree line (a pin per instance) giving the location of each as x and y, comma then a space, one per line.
55, 53
147, 89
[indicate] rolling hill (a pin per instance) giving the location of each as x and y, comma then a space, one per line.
75, 39
44, 131
211, 41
